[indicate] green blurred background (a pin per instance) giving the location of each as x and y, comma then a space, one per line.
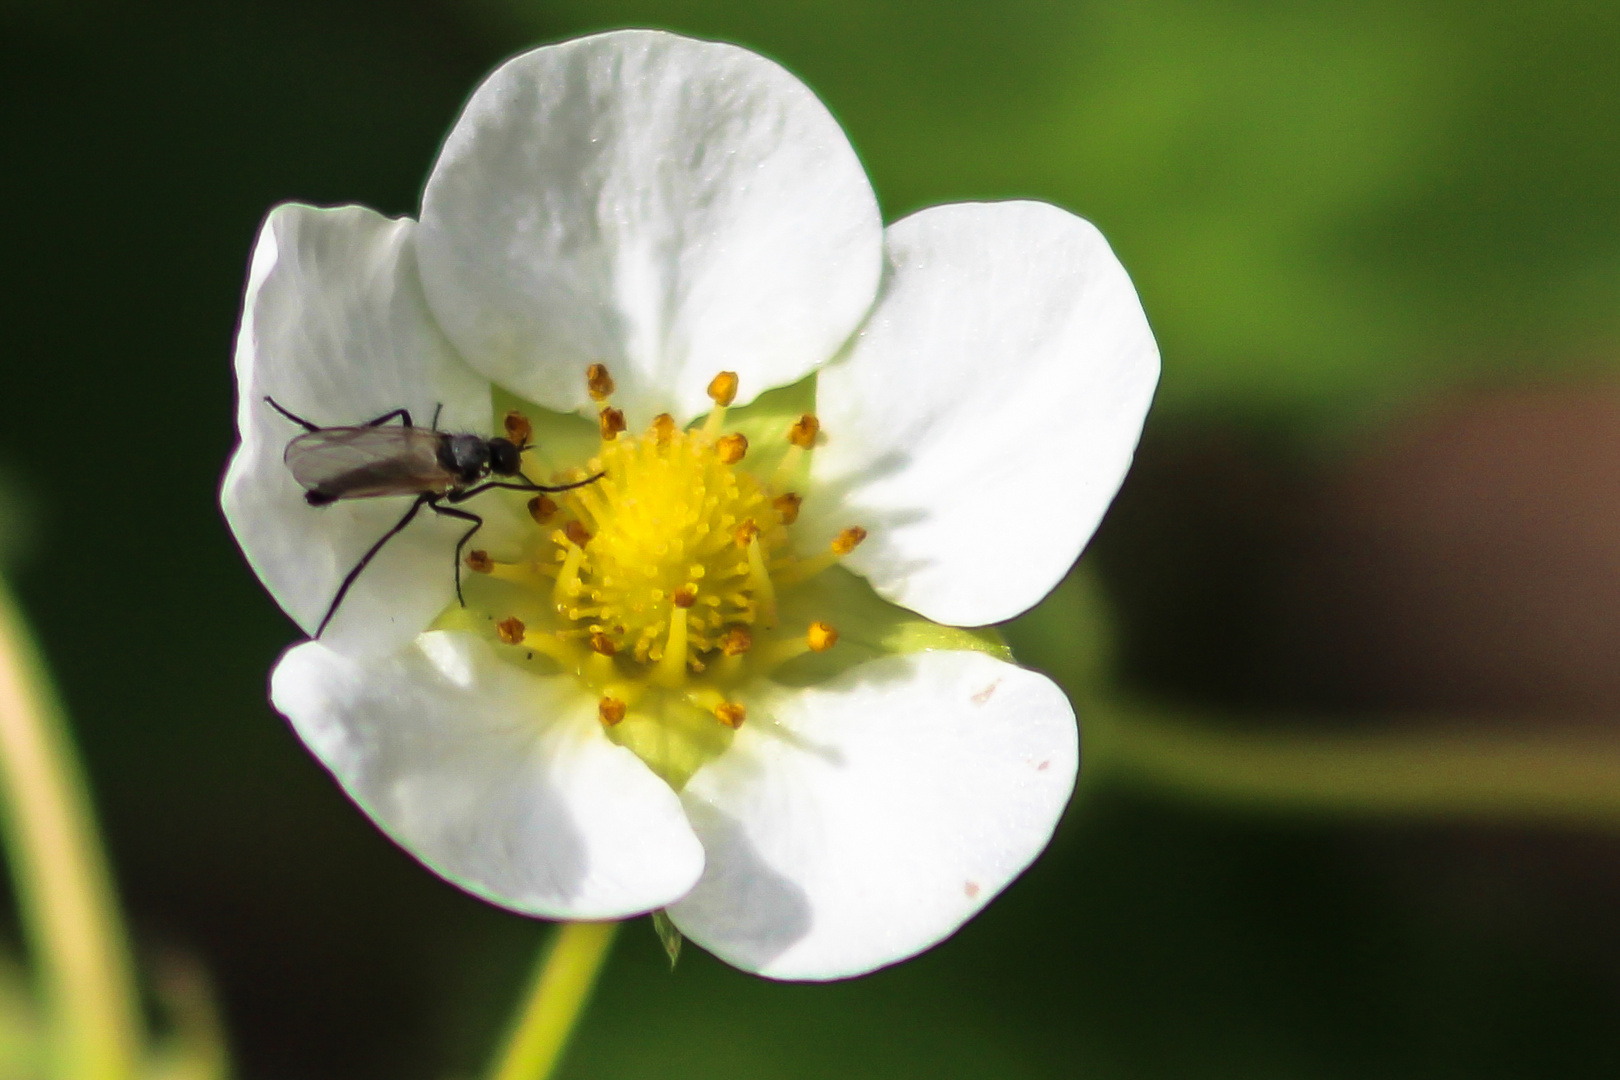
1380, 245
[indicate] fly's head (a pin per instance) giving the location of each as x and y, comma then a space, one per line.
506, 454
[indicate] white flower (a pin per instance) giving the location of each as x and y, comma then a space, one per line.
673, 209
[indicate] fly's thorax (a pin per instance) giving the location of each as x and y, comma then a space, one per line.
658, 587
464, 456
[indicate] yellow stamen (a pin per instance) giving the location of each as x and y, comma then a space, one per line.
553, 646
759, 581
598, 382
575, 531
804, 431
848, 540
671, 670
723, 388
736, 641
479, 562
610, 422
610, 711
510, 630
821, 637
818, 638
842, 544
602, 644
722, 391
731, 714
731, 448
663, 428
542, 509
787, 507
567, 586
518, 428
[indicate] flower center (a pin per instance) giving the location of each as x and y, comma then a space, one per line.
657, 585
677, 544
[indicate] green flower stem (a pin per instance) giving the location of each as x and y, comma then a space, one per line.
562, 985
1569, 778
63, 885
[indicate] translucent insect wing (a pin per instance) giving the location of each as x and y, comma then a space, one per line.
368, 462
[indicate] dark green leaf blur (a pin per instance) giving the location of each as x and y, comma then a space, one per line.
1380, 245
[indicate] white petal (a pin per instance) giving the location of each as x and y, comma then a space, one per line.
985, 416
862, 821
334, 327
498, 780
669, 207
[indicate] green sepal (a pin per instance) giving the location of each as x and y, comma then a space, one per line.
669, 936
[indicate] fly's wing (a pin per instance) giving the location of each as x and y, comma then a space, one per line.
367, 462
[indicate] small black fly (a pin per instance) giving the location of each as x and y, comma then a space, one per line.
376, 460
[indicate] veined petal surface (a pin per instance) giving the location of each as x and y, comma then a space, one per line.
857, 823
669, 207
335, 328
498, 780
986, 414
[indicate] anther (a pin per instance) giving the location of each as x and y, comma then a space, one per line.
518, 428
576, 534
511, 630
736, 641
663, 428
745, 533
611, 422
723, 388
730, 714
603, 645
610, 711
804, 430
821, 637
541, 509
842, 544
479, 562
848, 540
722, 391
599, 382
787, 507
731, 448
684, 597
818, 637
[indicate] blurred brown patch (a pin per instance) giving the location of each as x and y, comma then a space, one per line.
1471, 562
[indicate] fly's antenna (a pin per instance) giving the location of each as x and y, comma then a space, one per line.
437, 409
295, 418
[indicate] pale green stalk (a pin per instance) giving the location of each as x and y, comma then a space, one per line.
1566, 777
63, 885
562, 985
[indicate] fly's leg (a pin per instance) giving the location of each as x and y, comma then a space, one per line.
464, 515
403, 414
399, 527
437, 409
294, 417
508, 485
